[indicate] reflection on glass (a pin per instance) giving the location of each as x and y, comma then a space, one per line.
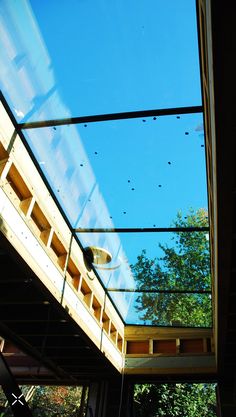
157, 261
108, 58
117, 273
26, 76
171, 274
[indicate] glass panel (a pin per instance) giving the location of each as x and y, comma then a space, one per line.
154, 261
137, 173
27, 79
110, 57
125, 173
184, 310
168, 271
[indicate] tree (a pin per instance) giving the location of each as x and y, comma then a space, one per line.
176, 286
50, 401
175, 400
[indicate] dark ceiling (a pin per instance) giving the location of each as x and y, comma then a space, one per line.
38, 325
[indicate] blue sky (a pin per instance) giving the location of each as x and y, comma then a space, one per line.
74, 58
120, 55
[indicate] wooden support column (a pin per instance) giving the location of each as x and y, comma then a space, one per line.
5, 165
46, 236
27, 206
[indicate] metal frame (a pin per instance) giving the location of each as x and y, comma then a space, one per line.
100, 118
111, 116
142, 230
158, 291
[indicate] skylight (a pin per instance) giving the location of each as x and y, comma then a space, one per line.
121, 179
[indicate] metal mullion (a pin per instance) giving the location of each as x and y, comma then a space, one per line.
142, 229
131, 290
111, 116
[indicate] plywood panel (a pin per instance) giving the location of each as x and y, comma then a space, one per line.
137, 347
164, 346
191, 346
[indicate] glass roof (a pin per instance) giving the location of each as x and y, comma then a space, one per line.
99, 57
135, 172
132, 307
131, 173
126, 248
129, 281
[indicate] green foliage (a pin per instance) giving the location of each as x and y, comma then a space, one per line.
5, 410
175, 400
49, 401
56, 401
184, 266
